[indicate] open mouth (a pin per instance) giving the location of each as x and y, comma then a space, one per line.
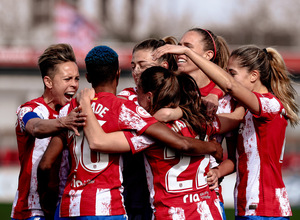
180, 60
69, 95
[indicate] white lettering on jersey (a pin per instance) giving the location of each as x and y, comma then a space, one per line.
99, 109
196, 197
171, 179
178, 126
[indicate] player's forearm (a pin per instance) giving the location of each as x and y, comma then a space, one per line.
186, 145
168, 114
98, 139
213, 71
225, 168
42, 128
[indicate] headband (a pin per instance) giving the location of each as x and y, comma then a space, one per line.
215, 49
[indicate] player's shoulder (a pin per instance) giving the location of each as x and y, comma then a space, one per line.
32, 105
269, 102
128, 92
34, 102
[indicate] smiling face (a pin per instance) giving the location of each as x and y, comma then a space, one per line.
141, 60
192, 40
64, 84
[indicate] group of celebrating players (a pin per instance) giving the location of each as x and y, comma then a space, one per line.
154, 151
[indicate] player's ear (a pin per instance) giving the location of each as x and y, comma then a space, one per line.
118, 76
165, 64
48, 82
150, 98
209, 54
254, 76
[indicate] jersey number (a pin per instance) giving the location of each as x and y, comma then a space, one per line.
84, 156
171, 179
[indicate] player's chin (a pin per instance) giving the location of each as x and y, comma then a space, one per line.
64, 101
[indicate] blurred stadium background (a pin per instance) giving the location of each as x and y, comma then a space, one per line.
29, 26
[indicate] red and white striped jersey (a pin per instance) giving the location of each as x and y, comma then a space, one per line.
177, 183
31, 150
94, 184
226, 105
129, 94
259, 188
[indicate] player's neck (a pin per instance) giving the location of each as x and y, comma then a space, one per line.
106, 88
48, 99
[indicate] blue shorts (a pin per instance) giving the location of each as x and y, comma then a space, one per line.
32, 218
223, 210
260, 218
112, 217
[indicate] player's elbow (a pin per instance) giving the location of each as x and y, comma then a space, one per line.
37, 134
93, 146
96, 145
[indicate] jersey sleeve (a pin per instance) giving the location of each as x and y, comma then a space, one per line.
138, 142
24, 113
269, 106
214, 127
134, 117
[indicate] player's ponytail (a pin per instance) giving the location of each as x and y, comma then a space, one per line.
281, 86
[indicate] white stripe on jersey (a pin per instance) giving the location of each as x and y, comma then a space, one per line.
149, 176
282, 197
204, 211
237, 183
176, 213
217, 204
103, 202
39, 148
253, 164
74, 208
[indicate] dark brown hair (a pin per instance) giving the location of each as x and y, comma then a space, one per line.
53, 55
153, 44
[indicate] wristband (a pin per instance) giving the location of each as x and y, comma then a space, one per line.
217, 92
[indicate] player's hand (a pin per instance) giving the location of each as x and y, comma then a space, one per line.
218, 154
169, 48
74, 120
211, 101
168, 114
85, 95
212, 178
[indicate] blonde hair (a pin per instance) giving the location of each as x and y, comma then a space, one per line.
273, 74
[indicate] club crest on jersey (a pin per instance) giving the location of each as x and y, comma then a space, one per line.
142, 112
24, 110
